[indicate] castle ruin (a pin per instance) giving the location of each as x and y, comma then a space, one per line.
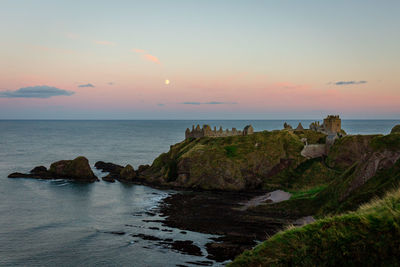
207, 131
332, 125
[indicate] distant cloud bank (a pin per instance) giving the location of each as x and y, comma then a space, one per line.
86, 85
209, 103
43, 91
349, 82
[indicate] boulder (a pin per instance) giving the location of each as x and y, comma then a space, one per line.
142, 168
77, 169
39, 170
108, 178
127, 174
108, 167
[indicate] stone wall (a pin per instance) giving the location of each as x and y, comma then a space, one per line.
314, 151
207, 131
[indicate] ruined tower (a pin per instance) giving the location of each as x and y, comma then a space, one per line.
332, 124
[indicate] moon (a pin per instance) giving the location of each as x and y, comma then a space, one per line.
167, 82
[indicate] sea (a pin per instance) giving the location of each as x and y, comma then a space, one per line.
62, 223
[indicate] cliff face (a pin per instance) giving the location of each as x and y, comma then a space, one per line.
273, 160
367, 167
229, 163
363, 168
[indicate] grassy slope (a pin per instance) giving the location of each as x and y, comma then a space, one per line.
230, 162
370, 236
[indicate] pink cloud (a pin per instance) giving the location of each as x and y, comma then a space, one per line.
146, 56
151, 58
105, 43
138, 50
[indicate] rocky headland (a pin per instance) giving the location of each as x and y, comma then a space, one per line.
226, 182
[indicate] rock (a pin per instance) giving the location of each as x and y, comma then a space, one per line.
395, 129
39, 170
116, 232
223, 251
147, 237
108, 167
186, 247
142, 168
108, 178
127, 174
77, 169
22, 175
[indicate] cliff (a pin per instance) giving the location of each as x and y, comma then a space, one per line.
232, 163
362, 168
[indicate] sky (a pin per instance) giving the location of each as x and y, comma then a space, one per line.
208, 59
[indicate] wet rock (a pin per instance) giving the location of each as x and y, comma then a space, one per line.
108, 178
127, 174
186, 247
201, 263
218, 213
108, 167
77, 170
154, 228
116, 233
222, 251
148, 213
147, 237
24, 175
39, 170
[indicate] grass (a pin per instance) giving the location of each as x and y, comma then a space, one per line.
227, 163
231, 151
310, 193
369, 236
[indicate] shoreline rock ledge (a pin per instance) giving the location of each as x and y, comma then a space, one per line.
77, 170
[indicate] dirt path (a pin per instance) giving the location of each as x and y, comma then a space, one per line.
272, 197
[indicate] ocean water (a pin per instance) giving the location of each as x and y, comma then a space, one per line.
62, 223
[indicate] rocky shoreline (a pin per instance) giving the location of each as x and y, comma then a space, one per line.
220, 213
227, 184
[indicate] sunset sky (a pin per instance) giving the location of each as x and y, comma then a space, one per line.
222, 59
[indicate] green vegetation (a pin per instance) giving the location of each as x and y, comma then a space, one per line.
313, 137
231, 151
370, 236
357, 169
309, 193
309, 173
366, 235
387, 142
227, 163
396, 129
